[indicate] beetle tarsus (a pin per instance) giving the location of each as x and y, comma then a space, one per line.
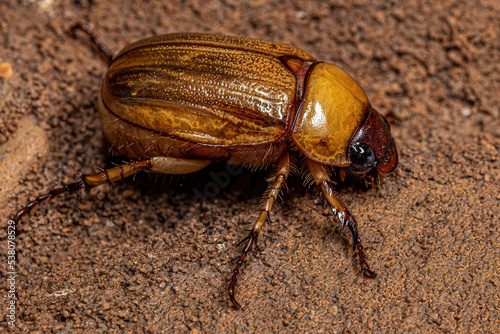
103, 49
233, 300
363, 261
251, 240
368, 273
358, 247
89, 181
70, 188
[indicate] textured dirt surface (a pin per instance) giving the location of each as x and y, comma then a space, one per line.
148, 256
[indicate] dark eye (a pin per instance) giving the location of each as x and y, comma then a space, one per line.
362, 158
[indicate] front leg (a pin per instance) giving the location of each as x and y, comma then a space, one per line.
272, 194
340, 211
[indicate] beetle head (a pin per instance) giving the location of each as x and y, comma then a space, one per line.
373, 146
335, 125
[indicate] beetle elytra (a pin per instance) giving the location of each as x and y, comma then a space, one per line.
175, 103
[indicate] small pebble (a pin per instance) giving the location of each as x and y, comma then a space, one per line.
6, 70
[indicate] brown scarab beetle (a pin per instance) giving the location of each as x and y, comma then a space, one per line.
175, 103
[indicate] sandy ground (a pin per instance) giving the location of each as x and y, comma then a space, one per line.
146, 256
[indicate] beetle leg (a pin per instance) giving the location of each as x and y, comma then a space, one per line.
105, 176
340, 212
103, 49
279, 179
89, 181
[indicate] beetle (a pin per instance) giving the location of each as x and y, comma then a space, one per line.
175, 103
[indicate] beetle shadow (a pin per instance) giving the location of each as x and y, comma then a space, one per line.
201, 192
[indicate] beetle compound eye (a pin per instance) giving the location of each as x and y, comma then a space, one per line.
362, 158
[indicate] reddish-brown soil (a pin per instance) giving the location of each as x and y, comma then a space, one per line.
145, 256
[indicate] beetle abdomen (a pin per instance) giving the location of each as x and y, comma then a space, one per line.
210, 91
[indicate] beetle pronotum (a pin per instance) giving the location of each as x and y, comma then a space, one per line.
175, 103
